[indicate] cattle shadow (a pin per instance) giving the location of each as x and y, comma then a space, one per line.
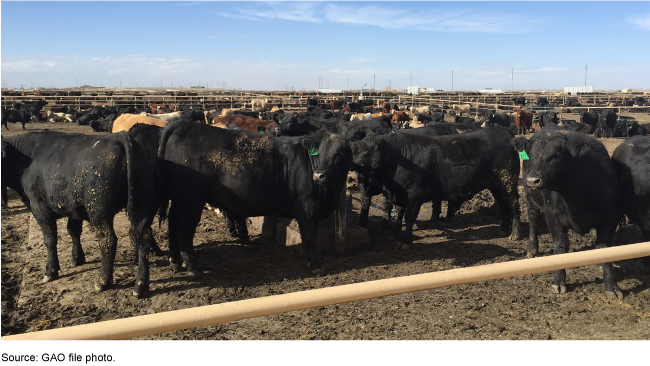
13, 211
232, 264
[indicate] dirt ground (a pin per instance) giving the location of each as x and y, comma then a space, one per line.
515, 308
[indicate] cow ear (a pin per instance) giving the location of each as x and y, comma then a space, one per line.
520, 144
576, 146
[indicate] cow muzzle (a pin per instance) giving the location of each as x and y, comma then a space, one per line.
319, 177
533, 182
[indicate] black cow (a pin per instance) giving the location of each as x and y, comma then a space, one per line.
253, 114
590, 118
32, 107
630, 160
414, 169
498, 119
357, 130
104, 124
369, 186
625, 129
83, 178
570, 178
14, 116
520, 101
606, 122
355, 107
547, 117
572, 125
246, 175
437, 117
542, 102
458, 119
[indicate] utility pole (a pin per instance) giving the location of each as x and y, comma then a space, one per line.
585, 75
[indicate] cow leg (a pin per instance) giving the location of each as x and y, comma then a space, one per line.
507, 197
182, 227
230, 225
74, 230
561, 246
452, 208
237, 227
48, 227
365, 207
387, 207
5, 197
604, 237
107, 247
436, 209
308, 232
410, 216
396, 225
141, 238
242, 230
533, 221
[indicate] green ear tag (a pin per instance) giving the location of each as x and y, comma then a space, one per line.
279, 121
261, 131
523, 155
313, 151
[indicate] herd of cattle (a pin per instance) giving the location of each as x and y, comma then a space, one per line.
294, 164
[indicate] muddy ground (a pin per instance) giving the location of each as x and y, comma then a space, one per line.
515, 308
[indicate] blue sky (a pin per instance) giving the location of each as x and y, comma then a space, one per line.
304, 45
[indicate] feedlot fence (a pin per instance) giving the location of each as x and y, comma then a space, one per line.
560, 103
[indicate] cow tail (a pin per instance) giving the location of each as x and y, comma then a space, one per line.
124, 138
164, 202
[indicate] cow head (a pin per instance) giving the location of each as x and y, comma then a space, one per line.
335, 160
365, 154
549, 158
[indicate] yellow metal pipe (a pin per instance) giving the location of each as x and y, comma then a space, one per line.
227, 312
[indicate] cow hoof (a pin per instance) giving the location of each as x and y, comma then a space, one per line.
159, 252
141, 290
514, 237
51, 278
530, 255
194, 273
78, 261
616, 294
100, 287
318, 272
174, 267
403, 246
558, 289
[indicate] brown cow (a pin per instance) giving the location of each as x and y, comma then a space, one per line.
250, 123
336, 104
400, 117
386, 108
524, 121
127, 120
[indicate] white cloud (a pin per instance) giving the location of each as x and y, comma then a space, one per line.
640, 21
295, 11
458, 21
